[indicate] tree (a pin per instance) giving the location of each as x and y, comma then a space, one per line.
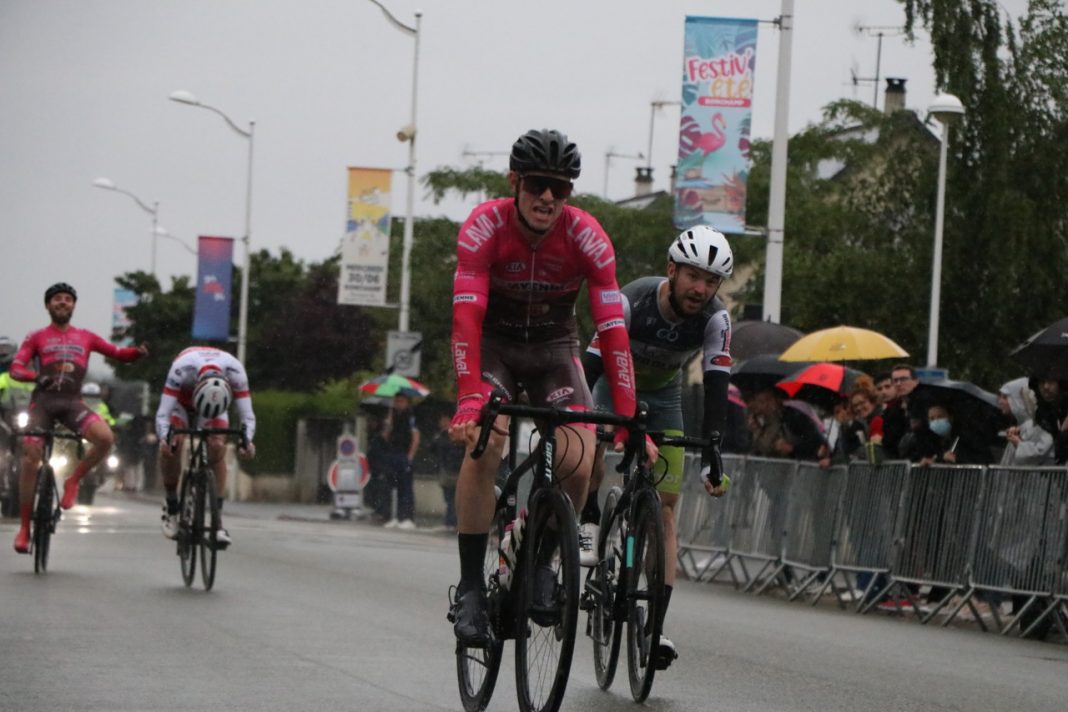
163, 320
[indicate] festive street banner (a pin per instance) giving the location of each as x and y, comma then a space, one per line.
717, 96
365, 247
215, 263
120, 322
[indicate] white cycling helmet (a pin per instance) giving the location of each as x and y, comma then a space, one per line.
212, 395
705, 248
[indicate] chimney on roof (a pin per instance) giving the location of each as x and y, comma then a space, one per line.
643, 181
894, 98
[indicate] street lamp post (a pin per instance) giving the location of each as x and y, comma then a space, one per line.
944, 109
408, 134
184, 97
164, 232
654, 105
106, 184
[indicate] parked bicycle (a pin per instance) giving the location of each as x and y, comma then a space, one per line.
627, 584
46, 509
198, 508
525, 547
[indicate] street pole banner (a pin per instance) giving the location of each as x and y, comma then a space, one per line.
365, 247
215, 265
717, 97
120, 322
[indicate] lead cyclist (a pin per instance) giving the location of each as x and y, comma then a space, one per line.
669, 319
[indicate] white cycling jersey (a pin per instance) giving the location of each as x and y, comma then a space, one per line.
177, 398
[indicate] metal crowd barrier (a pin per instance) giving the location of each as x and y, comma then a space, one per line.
978, 536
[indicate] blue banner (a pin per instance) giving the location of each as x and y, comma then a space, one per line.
120, 322
211, 317
718, 64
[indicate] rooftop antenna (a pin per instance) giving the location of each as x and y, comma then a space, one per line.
877, 31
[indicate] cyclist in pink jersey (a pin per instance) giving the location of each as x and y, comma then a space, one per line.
520, 264
56, 358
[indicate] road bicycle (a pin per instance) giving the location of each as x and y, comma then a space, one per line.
626, 587
524, 545
198, 507
46, 510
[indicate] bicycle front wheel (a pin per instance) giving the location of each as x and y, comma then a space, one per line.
644, 555
209, 526
187, 510
603, 587
43, 517
548, 602
477, 668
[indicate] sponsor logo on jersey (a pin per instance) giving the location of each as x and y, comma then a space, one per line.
622, 361
463, 298
513, 267
481, 229
459, 357
611, 296
594, 244
722, 360
537, 286
610, 324
560, 394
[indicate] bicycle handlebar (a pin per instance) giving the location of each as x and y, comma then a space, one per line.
47, 434
205, 432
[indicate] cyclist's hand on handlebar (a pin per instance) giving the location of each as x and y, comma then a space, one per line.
143, 349
464, 425
44, 381
652, 452
716, 481
248, 452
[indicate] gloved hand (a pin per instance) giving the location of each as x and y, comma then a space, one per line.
44, 381
469, 407
715, 480
652, 452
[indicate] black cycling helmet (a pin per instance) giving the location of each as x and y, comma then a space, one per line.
59, 288
545, 151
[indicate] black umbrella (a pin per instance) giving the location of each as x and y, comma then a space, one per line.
751, 338
763, 371
971, 407
1045, 354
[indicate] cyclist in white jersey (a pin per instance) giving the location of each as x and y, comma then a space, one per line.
201, 384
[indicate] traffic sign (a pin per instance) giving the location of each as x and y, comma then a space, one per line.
402, 352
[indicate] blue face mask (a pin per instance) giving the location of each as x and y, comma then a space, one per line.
940, 426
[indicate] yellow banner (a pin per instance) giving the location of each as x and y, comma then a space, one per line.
365, 247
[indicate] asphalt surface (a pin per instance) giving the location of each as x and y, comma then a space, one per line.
313, 614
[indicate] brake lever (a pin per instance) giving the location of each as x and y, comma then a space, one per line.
489, 414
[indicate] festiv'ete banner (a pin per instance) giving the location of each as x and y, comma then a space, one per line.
717, 102
215, 263
365, 247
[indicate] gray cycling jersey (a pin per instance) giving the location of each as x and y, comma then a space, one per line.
661, 347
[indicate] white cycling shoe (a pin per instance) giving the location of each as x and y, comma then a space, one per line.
170, 524
587, 536
222, 538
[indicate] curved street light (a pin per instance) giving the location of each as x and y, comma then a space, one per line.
184, 97
945, 108
407, 133
106, 184
161, 231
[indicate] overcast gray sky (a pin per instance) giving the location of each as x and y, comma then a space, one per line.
84, 87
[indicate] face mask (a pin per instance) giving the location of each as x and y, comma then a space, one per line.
940, 427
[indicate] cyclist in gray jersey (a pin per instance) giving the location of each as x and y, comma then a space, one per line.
669, 319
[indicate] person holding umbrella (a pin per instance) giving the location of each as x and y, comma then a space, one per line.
401, 438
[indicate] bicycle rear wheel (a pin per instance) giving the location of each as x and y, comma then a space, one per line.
209, 525
477, 668
545, 626
645, 592
43, 521
187, 548
605, 626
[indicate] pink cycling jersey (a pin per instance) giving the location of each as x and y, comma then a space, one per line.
506, 288
63, 355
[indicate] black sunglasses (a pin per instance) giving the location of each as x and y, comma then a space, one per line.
536, 185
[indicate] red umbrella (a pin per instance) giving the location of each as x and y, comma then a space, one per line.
820, 383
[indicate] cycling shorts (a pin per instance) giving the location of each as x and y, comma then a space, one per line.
47, 409
549, 372
665, 414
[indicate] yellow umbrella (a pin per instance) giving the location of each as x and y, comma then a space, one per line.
843, 343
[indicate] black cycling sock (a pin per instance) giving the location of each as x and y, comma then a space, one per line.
591, 513
472, 557
172, 503
219, 503
664, 606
